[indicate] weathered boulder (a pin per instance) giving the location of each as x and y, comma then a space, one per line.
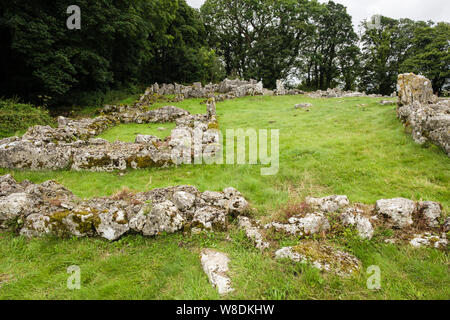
237, 205
155, 219
311, 223
414, 88
323, 257
231, 192
9, 185
430, 211
184, 201
399, 211
61, 223
14, 206
215, 265
210, 218
112, 224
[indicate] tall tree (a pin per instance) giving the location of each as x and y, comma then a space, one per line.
430, 55
331, 56
385, 48
258, 38
121, 42
185, 57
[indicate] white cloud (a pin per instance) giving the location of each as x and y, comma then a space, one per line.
195, 3
436, 10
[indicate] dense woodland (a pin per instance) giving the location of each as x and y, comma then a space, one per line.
125, 43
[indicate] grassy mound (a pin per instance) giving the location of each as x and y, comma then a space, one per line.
16, 118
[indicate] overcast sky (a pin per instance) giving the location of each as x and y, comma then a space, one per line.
436, 10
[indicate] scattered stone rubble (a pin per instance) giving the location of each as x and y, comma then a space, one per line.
398, 213
215, 265
72, 144
339, 93
429, 240
426, 115
49, 208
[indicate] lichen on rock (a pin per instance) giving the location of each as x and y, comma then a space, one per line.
321, 256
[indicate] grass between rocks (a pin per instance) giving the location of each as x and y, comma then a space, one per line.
128, 132
350, 146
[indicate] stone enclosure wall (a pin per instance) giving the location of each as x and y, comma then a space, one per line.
35, 210
73, 146
49, 208
227, 89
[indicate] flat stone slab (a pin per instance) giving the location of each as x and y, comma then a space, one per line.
215, 265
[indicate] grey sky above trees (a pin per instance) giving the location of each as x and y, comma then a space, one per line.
436, 10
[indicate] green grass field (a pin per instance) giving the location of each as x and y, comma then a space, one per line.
349, 146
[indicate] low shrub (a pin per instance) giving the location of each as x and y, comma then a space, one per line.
16, 118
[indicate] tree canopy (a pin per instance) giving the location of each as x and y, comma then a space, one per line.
128, 42
120, 42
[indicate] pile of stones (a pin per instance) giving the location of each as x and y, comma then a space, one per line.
422, 111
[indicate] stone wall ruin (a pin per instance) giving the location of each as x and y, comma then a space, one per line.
73, 146
422, 111
36, 210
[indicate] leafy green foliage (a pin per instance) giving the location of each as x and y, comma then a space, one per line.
120, 43
331, 56
16, 118
258, 39
430, 54
404, 46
